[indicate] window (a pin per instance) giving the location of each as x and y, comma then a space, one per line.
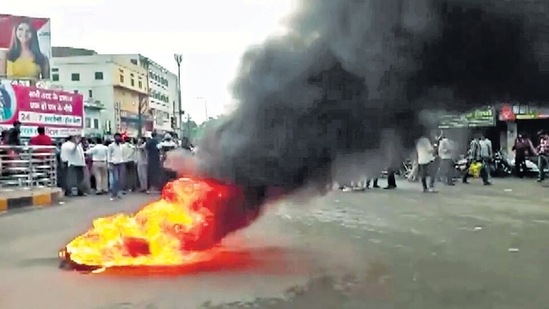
55, 77
55, 69
98, 75
75, 77
90, 93
96, 123
132, 82
133, 61
140, 83
88, 123
121, 78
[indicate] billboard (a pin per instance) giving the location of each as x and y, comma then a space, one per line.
25, 47
61, 113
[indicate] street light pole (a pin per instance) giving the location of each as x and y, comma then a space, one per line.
178, 59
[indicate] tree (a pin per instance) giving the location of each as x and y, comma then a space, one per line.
198, 130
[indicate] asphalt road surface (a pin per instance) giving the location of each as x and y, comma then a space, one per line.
468, 246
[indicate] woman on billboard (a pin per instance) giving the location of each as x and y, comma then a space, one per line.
24, 58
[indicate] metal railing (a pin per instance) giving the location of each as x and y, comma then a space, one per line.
28, 167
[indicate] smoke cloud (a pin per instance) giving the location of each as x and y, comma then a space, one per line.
351, 80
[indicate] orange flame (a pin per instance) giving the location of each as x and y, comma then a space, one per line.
191, 217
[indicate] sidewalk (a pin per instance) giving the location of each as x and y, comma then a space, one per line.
17, 198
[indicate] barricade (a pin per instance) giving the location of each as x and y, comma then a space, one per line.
28, 176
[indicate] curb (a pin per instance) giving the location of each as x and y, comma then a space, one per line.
32, 199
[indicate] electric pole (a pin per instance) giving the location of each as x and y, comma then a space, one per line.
142, 104
178, 59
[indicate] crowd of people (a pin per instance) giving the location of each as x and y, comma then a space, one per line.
436, 159
125, 164
104, 166
122, 165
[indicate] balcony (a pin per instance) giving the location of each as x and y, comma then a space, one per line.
95, 104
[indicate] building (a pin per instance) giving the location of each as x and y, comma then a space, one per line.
163, 99
122, 93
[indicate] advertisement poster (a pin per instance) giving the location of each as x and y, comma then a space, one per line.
61, 113
25, 47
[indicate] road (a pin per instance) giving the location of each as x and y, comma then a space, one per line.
469, 246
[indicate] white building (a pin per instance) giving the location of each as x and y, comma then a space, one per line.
116, 93
162, 97
91, 76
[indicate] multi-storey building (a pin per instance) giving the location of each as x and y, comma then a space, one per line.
162, 97
122, 93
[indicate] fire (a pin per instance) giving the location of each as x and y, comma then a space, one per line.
191, 217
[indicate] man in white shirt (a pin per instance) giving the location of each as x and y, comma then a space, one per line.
72, 154
129, 179
425, 159
486, 154
116, 165
446, 153
99, 153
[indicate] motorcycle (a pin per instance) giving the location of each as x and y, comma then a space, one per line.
500, 166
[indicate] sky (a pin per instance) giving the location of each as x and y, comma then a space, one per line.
210, 34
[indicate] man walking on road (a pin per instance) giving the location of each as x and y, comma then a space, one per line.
425, 160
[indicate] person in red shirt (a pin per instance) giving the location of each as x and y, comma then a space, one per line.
41, 140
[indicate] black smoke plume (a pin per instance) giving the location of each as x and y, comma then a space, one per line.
353, 77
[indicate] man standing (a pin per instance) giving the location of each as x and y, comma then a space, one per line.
41, 139
73, 153
14, 134
129, 179
486, 155
116, 165
523, 148
166, 146
391, 179
473, 155
446, 153
142, 165
425, 159
543, 155
98, 155
153, 162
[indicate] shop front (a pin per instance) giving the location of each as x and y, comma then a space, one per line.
461, 127
526, 118
129, 123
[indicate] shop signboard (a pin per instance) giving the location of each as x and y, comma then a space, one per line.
481, 117
517, 111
